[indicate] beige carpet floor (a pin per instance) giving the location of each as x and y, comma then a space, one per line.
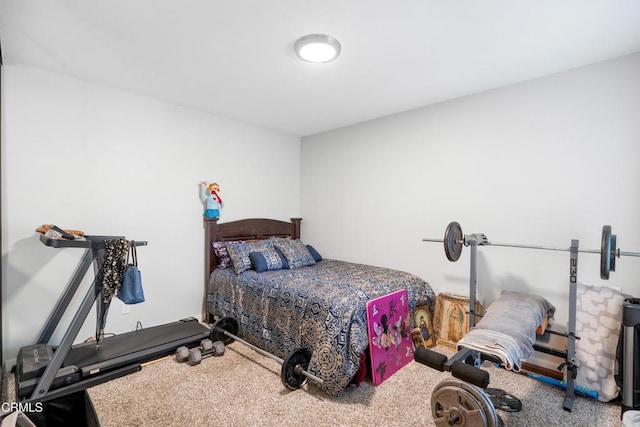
243, 388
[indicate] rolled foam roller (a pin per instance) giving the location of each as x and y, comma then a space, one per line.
430, 358
470, 374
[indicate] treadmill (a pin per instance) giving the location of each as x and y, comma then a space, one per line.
44, 372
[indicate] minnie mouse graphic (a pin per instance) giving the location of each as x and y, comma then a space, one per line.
381, 338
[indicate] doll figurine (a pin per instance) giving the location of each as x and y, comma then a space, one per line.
210, 196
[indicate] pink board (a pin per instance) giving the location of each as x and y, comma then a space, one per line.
390, 344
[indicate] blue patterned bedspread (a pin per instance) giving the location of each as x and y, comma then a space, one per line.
321, 307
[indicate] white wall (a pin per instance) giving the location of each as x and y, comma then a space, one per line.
541, 162
108, 162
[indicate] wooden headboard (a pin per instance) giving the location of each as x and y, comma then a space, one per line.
243, 229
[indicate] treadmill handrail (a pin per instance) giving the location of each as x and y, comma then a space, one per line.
87, 243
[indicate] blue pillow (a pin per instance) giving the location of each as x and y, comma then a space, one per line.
285, 264
239, 252
265, 260
315, 254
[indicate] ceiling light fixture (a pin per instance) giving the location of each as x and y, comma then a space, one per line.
317, 48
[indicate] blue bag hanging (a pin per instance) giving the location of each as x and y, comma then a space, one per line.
130, 291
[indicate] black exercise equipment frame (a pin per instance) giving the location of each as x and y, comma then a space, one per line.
121, 365
453, 241
46, 379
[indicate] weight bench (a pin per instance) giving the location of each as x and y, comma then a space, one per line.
505, 335
454, 240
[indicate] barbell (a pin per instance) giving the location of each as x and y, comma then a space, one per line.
294, 372
454, 240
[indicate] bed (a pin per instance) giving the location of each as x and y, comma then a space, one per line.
319, 305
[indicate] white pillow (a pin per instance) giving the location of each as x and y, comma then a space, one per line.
598, 321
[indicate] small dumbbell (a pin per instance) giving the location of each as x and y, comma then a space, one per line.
183, 352
207, 348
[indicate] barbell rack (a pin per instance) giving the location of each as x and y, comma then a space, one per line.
454, 240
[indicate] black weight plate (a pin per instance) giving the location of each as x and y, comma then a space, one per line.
503, 400
614, 253
607, 252
453, 241
227, 324
288, 375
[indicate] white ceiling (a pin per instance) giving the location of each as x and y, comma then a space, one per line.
234, 58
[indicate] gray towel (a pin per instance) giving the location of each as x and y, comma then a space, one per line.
508, 328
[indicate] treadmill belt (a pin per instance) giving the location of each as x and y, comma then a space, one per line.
166, 338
